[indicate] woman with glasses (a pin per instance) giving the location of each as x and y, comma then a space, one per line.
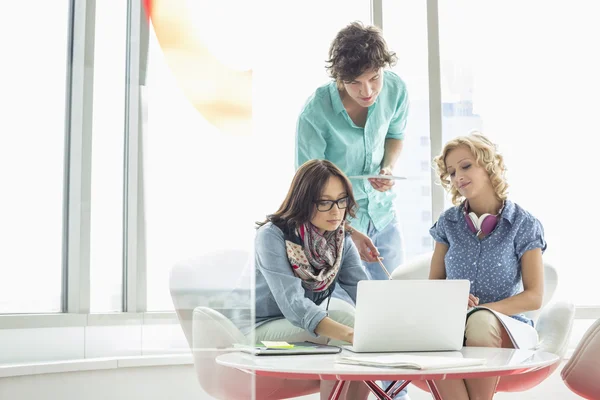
301, 253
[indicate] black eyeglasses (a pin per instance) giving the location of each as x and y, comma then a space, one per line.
326, 205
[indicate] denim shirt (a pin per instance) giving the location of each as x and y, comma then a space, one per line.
280, 294
326, 131
492, 264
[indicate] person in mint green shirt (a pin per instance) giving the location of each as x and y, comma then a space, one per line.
357, 121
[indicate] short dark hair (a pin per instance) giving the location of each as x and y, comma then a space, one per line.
306, 188
356, 49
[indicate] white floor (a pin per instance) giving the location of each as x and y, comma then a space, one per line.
551, 388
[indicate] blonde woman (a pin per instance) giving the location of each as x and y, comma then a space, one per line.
492, 242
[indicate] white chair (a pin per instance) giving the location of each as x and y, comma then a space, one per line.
553, 322
201, 287
582, 371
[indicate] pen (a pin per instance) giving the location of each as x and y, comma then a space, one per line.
383, 267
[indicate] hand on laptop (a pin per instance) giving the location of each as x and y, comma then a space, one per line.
473, 301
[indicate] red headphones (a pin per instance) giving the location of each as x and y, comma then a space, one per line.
484, 224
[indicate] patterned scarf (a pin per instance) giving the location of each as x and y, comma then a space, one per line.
316, 261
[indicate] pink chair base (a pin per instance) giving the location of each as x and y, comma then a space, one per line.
582, 373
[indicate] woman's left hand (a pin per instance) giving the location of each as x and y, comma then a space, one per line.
383, 185
473, 301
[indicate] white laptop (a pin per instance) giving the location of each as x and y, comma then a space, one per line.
410, 315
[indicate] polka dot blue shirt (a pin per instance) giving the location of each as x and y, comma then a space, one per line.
493, 263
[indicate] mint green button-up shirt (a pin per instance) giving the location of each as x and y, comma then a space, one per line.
326, 131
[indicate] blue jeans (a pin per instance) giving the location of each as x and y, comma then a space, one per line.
390, 245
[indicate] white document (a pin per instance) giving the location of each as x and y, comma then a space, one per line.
409, 361
520, 334
395, 177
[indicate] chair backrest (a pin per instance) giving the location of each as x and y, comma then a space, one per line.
213, 335
207, 281
418, 268
582, 370
197, 287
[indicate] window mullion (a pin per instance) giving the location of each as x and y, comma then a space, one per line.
80, 106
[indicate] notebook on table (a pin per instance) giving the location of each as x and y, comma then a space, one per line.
292, 348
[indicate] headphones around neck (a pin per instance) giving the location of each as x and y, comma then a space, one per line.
482, 225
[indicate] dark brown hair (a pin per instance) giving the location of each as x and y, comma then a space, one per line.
357, 49
306, 188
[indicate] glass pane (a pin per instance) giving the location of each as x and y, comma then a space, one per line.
283, 81
32, 143
405, 30
535, 92
181, 196
205, 189
106, 236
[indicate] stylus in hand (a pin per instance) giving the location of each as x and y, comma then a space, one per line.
383, 267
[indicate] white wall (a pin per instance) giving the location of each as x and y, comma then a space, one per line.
78, 342
149, 383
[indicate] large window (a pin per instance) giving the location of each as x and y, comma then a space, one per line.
405, 30
187, 210
32, 156
534, 91
289, 67
106, 236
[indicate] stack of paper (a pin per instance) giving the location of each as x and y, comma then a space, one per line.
410, 361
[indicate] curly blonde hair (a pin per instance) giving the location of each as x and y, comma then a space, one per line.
486, 155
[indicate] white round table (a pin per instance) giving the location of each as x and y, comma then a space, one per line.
498, 362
